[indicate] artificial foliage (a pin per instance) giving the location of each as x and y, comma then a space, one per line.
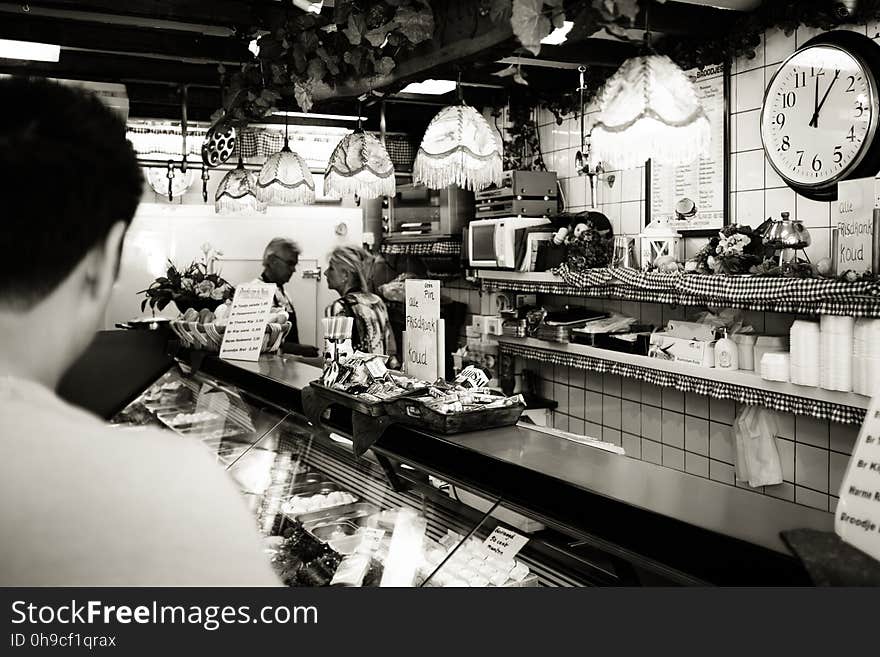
308, 53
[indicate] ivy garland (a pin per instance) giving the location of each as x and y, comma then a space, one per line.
308, 53
745, 32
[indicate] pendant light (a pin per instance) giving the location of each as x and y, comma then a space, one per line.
649, 110
360, 165
285, 178
459, 147
237, 192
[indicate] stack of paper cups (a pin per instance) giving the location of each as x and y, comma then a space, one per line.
775, 366
835, 354
866, 356
805, 346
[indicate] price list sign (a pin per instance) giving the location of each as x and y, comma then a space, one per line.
858, 512
247, 321
702, 181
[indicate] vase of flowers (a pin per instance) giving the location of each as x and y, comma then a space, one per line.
195, 287
735, 250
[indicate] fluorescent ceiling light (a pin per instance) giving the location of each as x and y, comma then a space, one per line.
559, 35
429, 87
312, 115
38, 52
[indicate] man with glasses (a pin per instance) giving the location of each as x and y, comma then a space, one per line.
279, 262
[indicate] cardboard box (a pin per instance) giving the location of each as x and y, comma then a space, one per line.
679, 350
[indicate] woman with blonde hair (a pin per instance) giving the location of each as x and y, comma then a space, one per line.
349, 272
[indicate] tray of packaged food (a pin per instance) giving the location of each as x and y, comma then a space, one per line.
364, 384
464, 405
315, 497
470, 564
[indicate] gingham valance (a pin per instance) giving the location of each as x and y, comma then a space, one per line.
438, 247
742, 394
788, 295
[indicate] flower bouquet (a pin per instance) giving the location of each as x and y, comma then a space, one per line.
590, 241
735, 250
194, 288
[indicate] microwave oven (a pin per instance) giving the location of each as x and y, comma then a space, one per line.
492, 243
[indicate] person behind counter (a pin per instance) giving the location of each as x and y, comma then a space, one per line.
280, 259
83, 504
348, 272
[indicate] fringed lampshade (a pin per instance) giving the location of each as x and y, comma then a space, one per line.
285, 179
237, 193
459, 147
360, 165
649, 110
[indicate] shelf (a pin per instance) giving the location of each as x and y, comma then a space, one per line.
742, 386
760, 293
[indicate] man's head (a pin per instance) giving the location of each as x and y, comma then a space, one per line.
73, 187
280, 259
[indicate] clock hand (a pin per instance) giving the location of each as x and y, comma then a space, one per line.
815, 103
815, 120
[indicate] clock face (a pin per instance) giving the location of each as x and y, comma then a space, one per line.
819, 116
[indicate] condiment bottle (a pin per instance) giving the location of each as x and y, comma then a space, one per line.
726, 354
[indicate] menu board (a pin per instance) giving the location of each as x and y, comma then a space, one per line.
247, 321
702, 181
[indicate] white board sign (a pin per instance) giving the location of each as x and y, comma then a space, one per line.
247, 321
853, 216
857, 520
505, 543
422, 329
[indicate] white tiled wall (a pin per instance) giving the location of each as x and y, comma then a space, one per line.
685, 431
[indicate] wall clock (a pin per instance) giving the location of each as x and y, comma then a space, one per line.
820, 114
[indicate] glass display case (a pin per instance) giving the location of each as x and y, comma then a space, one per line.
417, 507
331, 519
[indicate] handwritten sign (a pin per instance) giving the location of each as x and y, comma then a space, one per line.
248, 317
422, 329
857, 520
504, 542
853, 216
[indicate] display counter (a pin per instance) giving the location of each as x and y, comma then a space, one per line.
601, 518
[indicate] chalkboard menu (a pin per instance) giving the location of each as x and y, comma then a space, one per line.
704, 180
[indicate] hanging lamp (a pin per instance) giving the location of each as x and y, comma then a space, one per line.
649, 109
360, 165
285, 177
237, 192
459, 147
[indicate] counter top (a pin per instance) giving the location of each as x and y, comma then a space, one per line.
729, 510
697, 502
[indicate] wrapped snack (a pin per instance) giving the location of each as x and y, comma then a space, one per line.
472, 377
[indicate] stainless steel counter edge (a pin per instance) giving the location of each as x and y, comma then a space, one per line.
717, 507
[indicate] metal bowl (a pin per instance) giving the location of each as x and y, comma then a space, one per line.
788, 234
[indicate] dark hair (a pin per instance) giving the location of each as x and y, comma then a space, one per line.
68, 174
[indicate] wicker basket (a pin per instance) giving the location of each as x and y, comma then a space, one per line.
209, 337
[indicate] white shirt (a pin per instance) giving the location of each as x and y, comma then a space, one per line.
85, 504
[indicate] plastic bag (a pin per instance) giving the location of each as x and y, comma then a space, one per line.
757, 457
729, 318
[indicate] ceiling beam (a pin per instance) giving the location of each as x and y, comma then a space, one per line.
208, 12
80, 65
104, 37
